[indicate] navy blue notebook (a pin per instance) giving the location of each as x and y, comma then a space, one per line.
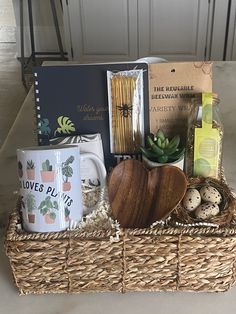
72, 100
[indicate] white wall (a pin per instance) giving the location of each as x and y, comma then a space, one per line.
7, 21
45, 35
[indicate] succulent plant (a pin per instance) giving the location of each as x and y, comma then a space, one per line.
30, 164
30, 202
161, 149
46, 166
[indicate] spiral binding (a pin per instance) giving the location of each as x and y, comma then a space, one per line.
37, 131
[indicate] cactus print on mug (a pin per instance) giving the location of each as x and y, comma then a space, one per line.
51, 197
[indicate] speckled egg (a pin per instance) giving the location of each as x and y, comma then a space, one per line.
192, 199
210, 194
207, 210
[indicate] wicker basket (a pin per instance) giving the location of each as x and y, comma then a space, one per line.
185, 258
64, 262
161, 258
187, 254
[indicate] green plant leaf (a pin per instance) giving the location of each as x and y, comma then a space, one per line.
68, 171
30, 164
30, 202
44, 127
163, 159
155, 149
47, 164
69, 160
55, 205
67, 212
46, 205
66, 125
159, 142
175, 156
174, 142
44, 210
44, 166
160, 134
48, 202
52, 215
169, 151
42, 204
163, 145
149, 154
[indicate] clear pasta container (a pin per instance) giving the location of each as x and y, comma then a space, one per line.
205, 137
126, 111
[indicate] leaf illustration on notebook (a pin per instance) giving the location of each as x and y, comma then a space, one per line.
44, 127
63, 96
66, 126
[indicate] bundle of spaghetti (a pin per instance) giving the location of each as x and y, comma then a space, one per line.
125, 140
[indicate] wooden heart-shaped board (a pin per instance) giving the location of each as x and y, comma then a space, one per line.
140, 197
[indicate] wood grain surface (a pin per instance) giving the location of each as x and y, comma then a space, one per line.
140, 197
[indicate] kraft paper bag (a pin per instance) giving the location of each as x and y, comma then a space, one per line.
171, 88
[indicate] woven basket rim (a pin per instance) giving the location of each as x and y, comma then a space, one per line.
183, 230
13, 234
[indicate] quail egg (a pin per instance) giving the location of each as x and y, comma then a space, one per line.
207, 210
210, 194
192, 199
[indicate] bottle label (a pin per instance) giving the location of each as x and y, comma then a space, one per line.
206, 143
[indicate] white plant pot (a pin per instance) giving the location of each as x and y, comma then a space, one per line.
151, 60
151, 164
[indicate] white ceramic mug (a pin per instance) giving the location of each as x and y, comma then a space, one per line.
51, 186
151, 60
89, 172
